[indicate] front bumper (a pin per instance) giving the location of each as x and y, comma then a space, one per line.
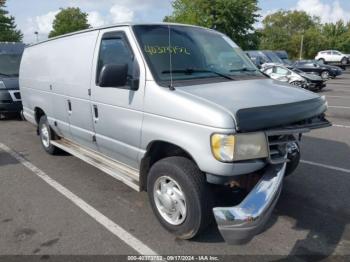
241, 223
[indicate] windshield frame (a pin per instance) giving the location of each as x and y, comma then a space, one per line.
214, 77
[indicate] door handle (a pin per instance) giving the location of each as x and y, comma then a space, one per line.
96, 112
69, 106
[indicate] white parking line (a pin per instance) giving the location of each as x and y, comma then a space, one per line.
344, 97
326, 166
344, 107
341, 126
115, 229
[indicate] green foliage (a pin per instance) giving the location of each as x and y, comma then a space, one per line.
8, 30
69, 20
283, 30
235, 18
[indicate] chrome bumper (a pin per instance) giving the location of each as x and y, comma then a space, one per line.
241, 223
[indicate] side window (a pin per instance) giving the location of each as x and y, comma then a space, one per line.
115, 49
329, 53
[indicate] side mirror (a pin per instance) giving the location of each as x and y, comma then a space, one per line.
113, 75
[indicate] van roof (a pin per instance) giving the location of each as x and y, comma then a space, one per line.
111, 26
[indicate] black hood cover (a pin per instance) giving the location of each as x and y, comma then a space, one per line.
260, 118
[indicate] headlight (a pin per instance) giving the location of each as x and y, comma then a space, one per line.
228, 148
2, 85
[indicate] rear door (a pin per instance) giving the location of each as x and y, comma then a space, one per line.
117, 112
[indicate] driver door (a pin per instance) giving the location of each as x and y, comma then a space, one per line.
118, 112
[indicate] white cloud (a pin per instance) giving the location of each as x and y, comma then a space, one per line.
95, 19
121, 13
44, 22
327, 12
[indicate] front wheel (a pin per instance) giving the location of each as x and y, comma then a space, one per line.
180, 196
46, 135
344, 61
325, 75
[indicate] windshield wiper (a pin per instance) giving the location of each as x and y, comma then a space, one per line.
190, 71
244, 69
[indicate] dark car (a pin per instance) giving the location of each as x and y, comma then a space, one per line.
283, 55
10, 97
258, 57
313, 66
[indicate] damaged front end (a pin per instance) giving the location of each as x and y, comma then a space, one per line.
239, 224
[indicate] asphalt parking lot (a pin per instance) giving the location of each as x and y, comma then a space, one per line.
60, 205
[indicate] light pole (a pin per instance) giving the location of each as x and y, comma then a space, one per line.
37, 36
301, 47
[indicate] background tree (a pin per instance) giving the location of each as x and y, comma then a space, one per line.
283, 30
8, 28
69, 20
235, 18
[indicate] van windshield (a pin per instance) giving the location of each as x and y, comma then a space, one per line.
9, 65
189, 53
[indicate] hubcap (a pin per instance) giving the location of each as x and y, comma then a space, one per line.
325, 75
170, 200
45, 136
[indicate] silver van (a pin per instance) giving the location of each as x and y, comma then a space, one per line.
177, 111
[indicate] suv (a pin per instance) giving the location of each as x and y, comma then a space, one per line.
10, 98
171, 109
332, 56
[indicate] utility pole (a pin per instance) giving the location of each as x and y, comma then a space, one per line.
301, 47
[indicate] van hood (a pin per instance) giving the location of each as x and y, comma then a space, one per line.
10, 82
260, 104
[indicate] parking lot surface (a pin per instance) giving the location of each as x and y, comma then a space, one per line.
61, 205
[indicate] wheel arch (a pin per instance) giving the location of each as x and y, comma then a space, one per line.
155, 151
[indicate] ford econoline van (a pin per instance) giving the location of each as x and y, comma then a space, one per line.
173, 110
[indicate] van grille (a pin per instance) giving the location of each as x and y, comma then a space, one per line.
278, 146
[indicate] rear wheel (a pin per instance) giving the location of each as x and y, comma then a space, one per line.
321, 60
325, 74
180, 196
46, 136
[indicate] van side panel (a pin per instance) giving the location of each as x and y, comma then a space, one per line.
71, 76
55, 72
34, 81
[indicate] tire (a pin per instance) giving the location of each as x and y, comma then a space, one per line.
46, 135
296, 83
196, 202
294, 160
344, 61
325, 75
322, 61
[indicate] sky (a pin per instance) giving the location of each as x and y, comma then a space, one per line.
37, 15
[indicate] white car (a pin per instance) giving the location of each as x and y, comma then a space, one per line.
332, 56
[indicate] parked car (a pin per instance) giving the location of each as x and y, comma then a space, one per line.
171, 115
315, 67
10, 98
258, 58
264, 58
332, 56
283, 55
295, 77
